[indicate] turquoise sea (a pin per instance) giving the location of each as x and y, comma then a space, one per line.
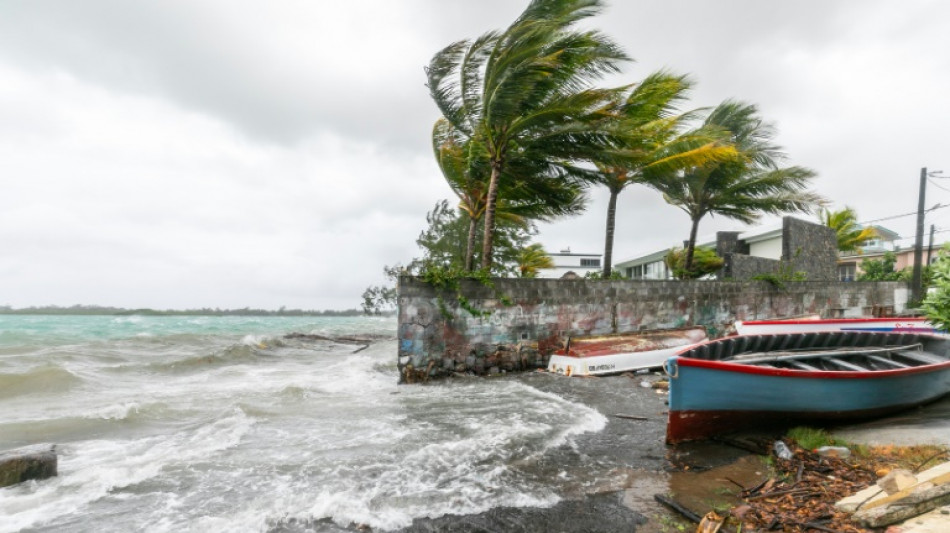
229, 424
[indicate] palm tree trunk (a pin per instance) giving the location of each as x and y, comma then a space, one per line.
690, 246
609, 239
470, 246
490, 215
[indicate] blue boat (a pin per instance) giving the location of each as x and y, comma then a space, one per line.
755, 381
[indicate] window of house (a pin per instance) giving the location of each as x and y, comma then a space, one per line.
847, 272
590, 262
655, 270
635, 272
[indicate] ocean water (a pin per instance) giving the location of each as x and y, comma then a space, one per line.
227, 424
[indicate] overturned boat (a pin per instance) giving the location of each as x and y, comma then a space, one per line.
597, 355
805, 325
751, 381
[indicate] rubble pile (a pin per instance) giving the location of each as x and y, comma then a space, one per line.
801, 494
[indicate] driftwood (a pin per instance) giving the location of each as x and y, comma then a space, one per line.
631, 417
672, 504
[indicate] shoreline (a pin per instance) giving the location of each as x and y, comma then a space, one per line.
645, 465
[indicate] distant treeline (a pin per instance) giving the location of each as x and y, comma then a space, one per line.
206, 311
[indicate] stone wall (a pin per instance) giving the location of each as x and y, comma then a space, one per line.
810, 248
744, 267
437, 337
807, 248
727, 242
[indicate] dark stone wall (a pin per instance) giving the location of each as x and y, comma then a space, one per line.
727, 242
437, 337
810, 248
745, 267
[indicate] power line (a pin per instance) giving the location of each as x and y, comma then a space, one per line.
932, 182
899, 238
934, 208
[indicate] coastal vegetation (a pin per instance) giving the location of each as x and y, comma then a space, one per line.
522, 101
654, 149
744, 187
524, 131
851, 235
705, 261
936, 304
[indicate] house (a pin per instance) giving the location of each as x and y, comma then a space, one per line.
849, 265
875, 248
566, 261
793, 246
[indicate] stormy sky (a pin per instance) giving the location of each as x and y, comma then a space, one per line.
184, 154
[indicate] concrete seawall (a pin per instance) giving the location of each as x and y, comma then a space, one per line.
529, 318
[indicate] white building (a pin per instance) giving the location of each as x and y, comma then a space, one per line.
764, 242
566, 261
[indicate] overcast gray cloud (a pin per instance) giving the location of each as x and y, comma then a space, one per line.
233, 153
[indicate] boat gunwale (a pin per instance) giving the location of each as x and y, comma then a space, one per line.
741, 368
833, 321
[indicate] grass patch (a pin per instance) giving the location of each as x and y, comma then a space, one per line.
811, 438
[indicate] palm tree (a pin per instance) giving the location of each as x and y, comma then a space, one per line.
522, 97
524, 200
532, 259
742, 187
653, 146
851, 236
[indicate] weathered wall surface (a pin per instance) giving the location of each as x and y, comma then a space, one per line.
439, 340
810, 248
744, 267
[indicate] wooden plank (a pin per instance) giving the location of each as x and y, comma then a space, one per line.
886, 361
846, 365
922, 357
803, 366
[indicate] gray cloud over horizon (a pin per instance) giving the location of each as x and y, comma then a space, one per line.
232, 154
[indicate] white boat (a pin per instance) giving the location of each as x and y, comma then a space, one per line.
598, 355
892, 324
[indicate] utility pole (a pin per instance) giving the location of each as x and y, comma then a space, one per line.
930, 247
915, 284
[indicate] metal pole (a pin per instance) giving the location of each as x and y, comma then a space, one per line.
916, 289
930, 247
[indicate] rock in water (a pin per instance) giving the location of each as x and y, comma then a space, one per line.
23, 464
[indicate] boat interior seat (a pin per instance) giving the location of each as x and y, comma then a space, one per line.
846, 365
920, 357
887, 362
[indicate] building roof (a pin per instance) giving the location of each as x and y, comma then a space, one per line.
571, 254
709, 241
885, 233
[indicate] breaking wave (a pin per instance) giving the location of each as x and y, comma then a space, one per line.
47, 379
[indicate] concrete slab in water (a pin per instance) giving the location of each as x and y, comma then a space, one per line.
23, 464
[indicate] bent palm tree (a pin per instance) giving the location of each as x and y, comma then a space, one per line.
743, 187
532, 259
850, 235
521, 96
653, 148
526, 199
